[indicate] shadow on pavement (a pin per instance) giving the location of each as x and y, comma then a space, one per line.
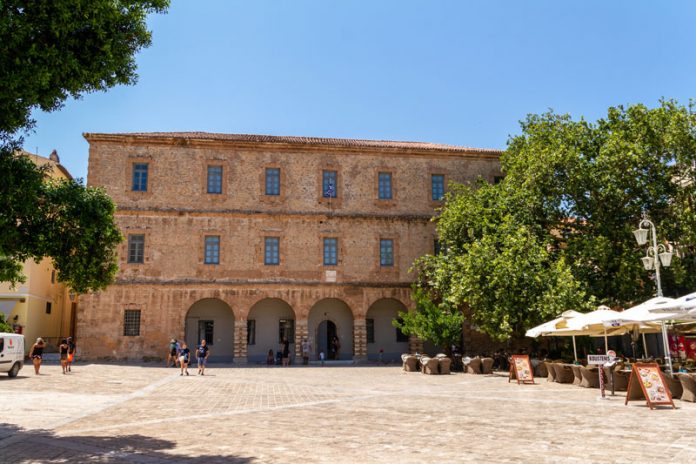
18, 445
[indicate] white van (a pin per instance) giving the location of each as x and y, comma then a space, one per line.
11, 353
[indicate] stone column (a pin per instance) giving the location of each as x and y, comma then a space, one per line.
360, 340
240, 342
301, 332
415, 344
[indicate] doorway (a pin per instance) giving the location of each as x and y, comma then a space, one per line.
325, 334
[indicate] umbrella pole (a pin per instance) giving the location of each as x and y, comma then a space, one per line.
665, 342
606, 342
645, 347
575, 349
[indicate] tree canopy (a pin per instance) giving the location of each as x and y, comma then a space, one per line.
50, 51
556, 233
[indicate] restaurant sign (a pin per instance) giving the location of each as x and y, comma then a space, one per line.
521, 369
647, 382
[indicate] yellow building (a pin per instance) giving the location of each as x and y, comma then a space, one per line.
41, 306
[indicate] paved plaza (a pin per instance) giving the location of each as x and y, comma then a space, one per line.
149, 414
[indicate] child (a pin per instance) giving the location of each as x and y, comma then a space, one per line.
270, 360
184, 358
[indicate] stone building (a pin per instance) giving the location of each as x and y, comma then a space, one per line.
244, 239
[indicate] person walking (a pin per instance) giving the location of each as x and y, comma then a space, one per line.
171, 353
63, 351
285, 349
305, 351
184, 358
335, 347
71, 352
36, 354
202, 353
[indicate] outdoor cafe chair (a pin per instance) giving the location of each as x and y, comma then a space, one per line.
429, 365
564, 374
576, 374
474, 366
410, 362
487, 366
688, 382
444, 364
551, 372
675, 386
541, 370
590, 377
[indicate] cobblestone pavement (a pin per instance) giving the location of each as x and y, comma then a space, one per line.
148, 414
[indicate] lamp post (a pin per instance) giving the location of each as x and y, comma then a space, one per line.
655, 256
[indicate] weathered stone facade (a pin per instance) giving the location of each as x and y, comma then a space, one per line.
175, 291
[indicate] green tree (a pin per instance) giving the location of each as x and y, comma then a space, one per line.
4, 326
50, 51
555, 234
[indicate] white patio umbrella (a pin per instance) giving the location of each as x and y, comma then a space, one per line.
592, 323
688, 302
551, 328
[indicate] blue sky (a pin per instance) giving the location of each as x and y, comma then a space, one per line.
456, 72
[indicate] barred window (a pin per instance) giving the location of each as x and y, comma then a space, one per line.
384, 185
214, 179
370, 325
330, 251
131, 323
386, 252
139, 177
272, 181
212, 249
136, 249
271, 254
437, 187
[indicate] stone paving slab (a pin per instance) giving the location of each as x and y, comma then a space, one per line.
149, 414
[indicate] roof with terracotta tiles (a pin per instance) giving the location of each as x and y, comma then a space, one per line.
292, 140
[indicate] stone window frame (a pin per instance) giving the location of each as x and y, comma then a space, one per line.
211, 163
279, 250
132, 326
282, 179
390, 202
147, 252
131, 162
394, 268
323, 239
128, 248
445, 179
206, 238
202, 265
334, 202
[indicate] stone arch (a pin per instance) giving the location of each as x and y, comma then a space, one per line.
211, 316
381, 334
339, 313
267, 314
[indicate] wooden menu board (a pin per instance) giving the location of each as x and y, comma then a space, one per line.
647, 382
521, 369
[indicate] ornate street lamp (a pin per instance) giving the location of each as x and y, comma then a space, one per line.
656, 255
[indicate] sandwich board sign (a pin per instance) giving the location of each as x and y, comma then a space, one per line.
521, 369
647, 382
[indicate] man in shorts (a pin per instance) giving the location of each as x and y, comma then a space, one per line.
172, 353
202, 353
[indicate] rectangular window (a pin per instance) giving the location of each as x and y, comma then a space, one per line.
437, 187
272, 181
48, 307
214, 179
139, 177
205, 332
212, 249
385, 186
328, 183
271, 254
330, 251
370, 325
136, 249
131, 323
286, 329
251, 332
386, 252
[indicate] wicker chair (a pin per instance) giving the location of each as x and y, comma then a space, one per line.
675, 387
688, 383
474, 366
576, 374
487, 365
444, 364
541, 370
551, 377
564, 373
621, 380
590, 377
430, 365
410, 362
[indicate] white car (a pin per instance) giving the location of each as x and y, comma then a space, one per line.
11, 353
